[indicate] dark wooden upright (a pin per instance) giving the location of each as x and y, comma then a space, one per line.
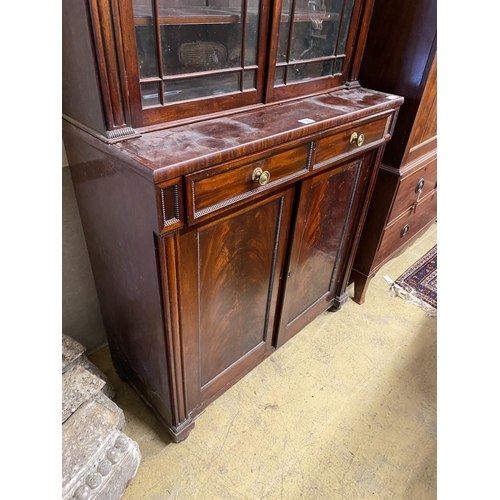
404, 203
220, 225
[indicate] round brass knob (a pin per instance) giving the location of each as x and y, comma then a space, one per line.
260, 176
361, 139
354, 138
264, 177
405, 230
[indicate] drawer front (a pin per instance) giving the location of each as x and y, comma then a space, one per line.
335, 147
405, 227
215, 189
407, 193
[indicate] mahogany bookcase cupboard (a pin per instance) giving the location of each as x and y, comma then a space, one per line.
222, 154
404, 202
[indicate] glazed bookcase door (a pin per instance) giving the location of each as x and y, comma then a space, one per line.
312, 46
193, 55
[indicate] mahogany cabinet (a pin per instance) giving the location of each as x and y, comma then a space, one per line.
220, 217
404, 202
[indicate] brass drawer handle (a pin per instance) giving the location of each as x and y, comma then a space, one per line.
260, 176
420, 186
357, 139
405, 230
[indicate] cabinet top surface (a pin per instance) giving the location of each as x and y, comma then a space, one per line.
175, 151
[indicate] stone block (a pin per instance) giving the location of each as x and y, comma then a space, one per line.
111, 405
107, 389
78, 386
98, 460
71, 352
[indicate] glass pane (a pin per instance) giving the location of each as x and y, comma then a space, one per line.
249, 79
339, 64
327, 68
204, 86
331, 26
300, 72
344, 30
286, 7
315, 28
150, 94
252, 32
146, 38
279, 76
190, 49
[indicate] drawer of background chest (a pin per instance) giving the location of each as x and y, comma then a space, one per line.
214, 189
335, 147
408, 225
407, 192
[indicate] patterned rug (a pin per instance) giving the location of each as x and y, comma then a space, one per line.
418, 284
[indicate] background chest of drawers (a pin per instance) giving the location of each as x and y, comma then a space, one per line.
404, 201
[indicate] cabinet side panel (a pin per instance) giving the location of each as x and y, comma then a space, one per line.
81, 97
424, 133
376, 219
118, 212
400, 46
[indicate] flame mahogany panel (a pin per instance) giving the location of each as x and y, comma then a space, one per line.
327, 214
229, 288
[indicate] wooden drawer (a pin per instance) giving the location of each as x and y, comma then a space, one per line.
335, 147
214, 189
406, 226
407, 193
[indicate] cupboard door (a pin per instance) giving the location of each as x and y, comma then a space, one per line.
229, 281
326, 223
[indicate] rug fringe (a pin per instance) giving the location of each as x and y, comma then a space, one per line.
410, 298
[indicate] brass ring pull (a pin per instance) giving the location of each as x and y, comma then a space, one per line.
260, 176
357, 139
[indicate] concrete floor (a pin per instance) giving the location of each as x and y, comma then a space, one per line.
344, 410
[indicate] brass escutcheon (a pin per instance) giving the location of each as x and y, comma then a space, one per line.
361, 139
354, 138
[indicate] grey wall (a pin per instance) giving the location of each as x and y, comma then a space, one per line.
81, 316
